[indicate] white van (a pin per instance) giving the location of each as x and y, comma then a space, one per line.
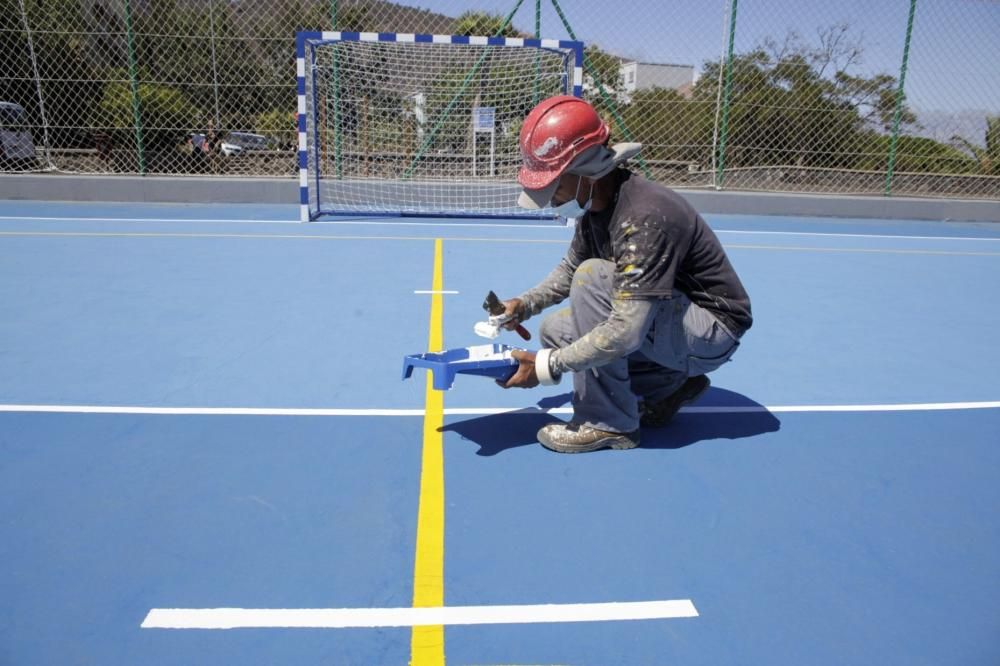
16, 146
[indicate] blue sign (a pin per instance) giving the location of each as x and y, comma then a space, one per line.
484, 118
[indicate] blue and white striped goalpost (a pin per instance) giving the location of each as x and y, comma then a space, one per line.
414, 124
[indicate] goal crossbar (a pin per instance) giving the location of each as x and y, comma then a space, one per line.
420, 124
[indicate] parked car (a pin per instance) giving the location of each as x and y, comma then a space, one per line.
16, 145
237, 143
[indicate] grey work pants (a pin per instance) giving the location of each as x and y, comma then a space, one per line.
684, 340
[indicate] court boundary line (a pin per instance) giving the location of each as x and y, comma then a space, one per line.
229, 220
530, 226
340, 618
474, 411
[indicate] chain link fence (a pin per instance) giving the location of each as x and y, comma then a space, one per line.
900, 97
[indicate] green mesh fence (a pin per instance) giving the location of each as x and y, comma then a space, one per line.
807, 99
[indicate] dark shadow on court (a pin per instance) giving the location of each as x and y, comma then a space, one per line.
498, 432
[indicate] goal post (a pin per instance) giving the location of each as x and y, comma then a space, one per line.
412, 124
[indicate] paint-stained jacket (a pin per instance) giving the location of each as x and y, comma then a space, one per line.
659, 244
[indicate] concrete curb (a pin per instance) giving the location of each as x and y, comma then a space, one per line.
194, 189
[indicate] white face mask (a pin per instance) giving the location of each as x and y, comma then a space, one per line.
572, 208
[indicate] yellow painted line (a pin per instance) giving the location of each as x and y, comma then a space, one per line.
427, 642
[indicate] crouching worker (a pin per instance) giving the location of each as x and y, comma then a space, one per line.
655, 304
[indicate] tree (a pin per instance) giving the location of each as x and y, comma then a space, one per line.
165, 113
796, 104
483, 23
602, 70
66, 68
671, 127
988, 156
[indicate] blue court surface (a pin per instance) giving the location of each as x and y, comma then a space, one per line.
208, 456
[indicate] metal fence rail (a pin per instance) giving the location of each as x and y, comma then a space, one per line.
893, 98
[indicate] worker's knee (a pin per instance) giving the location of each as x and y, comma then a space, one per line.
556, 329
592, 276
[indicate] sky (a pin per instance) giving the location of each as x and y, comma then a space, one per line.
954, 60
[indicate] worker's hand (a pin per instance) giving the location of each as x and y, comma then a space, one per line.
515, 309
525, 377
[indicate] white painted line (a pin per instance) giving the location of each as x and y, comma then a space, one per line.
432, 291
207, 411
340, 618
544, 225
249, 236
477, 411
914, 407
754, 409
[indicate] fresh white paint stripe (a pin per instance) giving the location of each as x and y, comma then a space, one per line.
432, 291
477, 411
751, 409
207, 411
340, 618
544, 225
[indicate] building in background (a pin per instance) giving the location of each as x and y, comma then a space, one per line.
644, 75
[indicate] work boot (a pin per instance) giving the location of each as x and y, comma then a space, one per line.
659, 414
579, 438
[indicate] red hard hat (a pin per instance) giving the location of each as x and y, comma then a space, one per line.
553, 134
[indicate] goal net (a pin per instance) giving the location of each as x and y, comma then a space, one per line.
403, 124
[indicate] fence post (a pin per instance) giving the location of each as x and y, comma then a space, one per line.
612, 106
38, 85
538, 58
900, 96
215, 70
133, 76
335, 76
724, 130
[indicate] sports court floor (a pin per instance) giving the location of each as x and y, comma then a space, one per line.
203, 425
